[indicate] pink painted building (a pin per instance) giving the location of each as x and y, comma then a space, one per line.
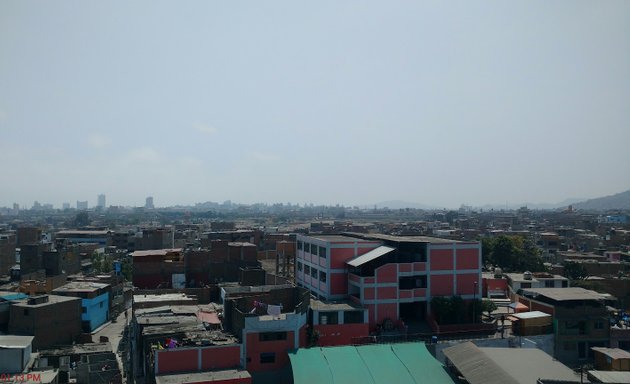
393, 277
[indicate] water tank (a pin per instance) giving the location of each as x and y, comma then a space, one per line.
527, 275
498, 272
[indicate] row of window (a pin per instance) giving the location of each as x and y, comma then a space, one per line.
310, 271
312, 249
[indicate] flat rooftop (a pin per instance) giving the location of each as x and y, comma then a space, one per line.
81, 286
52, 300
14, 341
203, 377
162, 297
78, 349
566, 294
339, 305
335, 238
404, 239
156, 252
81, 232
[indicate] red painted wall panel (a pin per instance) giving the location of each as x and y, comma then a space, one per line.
419, 267
387, 311
387, 293
388, 273
467, 259
338, 283
224, 357
340, 334
339, 256
441, 285
280, 347
368, 293
405, 267
441, 259
177, 360
466, 284
406, 293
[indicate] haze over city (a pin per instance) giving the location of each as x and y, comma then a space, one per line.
348, 102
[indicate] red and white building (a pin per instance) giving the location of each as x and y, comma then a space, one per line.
393, 277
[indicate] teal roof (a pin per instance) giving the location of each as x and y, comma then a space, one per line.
368, 364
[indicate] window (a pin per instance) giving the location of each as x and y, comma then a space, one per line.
314, 273
83, 309
353, 317
307, 247
412, 282
307, 269
268, 358
322, 276
272, 336
322, 252
526, 285
565, 283
327, 318
549, 283
299, 245
299, 266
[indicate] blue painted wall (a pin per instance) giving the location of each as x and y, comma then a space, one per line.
95, 311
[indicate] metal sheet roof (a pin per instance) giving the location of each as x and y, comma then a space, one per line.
505, 365
13, 341
378, 363
613, 353
371, 255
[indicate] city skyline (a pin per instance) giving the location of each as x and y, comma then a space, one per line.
356, 103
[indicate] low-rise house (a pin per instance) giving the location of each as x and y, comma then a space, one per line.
15, 353
52, 319
611, 359
580, 319
95, 302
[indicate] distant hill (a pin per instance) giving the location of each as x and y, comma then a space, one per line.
617, 201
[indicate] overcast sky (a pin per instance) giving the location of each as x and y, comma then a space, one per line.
349, 102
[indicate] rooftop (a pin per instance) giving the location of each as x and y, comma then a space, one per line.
339, 305
505, 365
80, 286
334, 238
14, 341
404, 239
370, 255
610, 377
78, 349
81, 232
52, 300
161, 297
613, 353
376, 363
156, 252
566, 294
530, 315
203, 377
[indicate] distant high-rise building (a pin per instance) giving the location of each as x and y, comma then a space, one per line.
82, 205
66, 206
16, 208
36, 206
101, 201
149, 203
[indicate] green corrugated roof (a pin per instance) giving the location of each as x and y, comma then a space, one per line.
338, 361
379, 363
311, 366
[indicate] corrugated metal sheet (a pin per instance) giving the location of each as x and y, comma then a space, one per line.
475, 366
373, 254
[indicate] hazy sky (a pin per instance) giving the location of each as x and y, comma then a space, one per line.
350, 102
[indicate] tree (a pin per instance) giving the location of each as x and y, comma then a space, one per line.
512, 253
488, 306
